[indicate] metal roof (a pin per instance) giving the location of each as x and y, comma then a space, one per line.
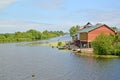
89, 28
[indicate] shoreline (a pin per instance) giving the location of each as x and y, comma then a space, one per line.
97, 56
88, 52
85, 52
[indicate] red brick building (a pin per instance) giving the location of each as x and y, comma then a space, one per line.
90, 32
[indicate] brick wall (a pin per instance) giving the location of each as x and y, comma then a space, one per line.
103, 29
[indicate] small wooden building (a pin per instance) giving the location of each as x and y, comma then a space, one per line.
90, 32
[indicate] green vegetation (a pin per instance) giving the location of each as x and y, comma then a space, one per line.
97, 56
33, 75
107, 45
59, 44
29, 35
114, 28
74, 29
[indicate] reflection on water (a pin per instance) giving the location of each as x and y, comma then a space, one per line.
46, 63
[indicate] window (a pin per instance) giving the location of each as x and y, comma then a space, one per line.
83, 36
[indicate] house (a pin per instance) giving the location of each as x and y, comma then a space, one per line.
89, 32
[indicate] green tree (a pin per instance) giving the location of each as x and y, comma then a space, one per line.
103, 44
74, 29
34, 34
114, 28
59, 44
29, 35
117, 49
18, 34
2, 38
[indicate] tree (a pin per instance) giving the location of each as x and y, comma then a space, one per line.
74, 29
2, 38
107, 44
103, 44
29, 35
18, 35
114, 28
35, 34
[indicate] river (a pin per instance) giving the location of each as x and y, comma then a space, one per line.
46, 63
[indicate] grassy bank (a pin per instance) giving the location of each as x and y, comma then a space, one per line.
97, 56
54, 44
89, 53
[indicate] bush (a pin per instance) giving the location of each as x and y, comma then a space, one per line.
102, 45
117, 49
59, 44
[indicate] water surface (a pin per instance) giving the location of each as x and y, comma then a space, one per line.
46, 63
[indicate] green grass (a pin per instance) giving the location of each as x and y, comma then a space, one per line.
97, 56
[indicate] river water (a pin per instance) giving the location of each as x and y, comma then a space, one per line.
46, 63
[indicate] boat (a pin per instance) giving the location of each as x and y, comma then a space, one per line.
77, 50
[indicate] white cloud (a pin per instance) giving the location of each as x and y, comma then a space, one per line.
7, 26
5, 3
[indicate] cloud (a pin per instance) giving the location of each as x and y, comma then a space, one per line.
50, 4
5, 3
110, 17
7, 26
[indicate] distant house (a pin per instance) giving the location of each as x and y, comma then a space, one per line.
89, 32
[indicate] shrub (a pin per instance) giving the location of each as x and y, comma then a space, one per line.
102, 45
59, 44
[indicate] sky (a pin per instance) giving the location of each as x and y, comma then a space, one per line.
22, 15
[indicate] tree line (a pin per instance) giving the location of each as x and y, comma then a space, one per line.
29, 35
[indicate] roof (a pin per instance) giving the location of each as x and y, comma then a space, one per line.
92, 27
88, 29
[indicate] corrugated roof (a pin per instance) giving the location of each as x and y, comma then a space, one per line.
89, 28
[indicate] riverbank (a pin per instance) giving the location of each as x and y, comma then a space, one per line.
81, 52
51, 44
88, 52
85, 51
96, 56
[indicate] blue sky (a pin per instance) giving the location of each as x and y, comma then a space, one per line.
21, 15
